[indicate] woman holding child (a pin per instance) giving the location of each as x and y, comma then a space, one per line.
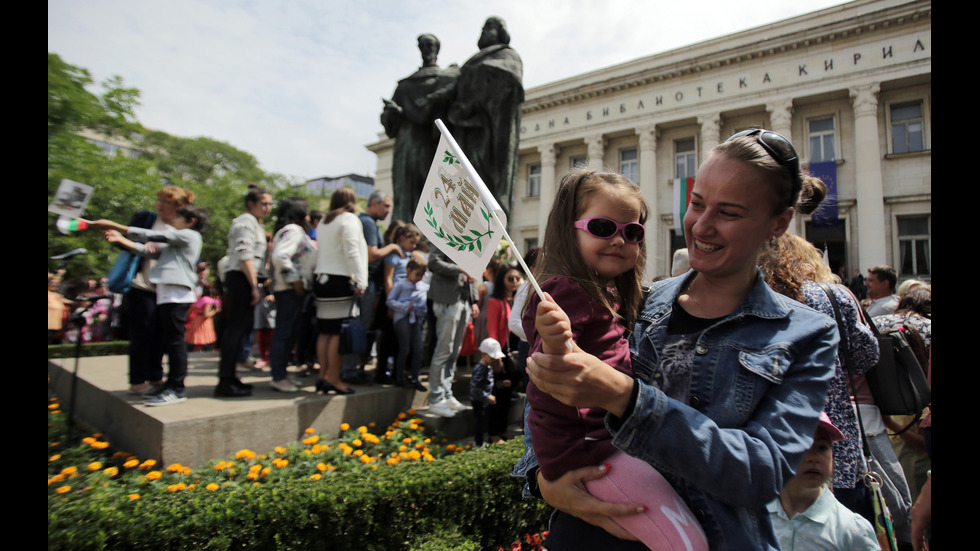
729, 378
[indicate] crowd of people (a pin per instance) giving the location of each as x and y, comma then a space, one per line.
721, 391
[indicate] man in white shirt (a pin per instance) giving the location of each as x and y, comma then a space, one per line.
881, 290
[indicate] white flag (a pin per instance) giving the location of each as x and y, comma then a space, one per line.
457, 212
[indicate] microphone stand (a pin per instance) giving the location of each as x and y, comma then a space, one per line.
77, 319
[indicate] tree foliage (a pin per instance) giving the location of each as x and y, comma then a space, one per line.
218, 173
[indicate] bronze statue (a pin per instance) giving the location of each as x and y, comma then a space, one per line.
485, 117
408, 117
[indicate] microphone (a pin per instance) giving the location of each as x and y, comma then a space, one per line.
69, 254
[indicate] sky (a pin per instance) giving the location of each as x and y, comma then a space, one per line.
299, 83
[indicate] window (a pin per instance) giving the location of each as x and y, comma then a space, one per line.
534, 180
629, 164
907, 127
530, 244
913, 245
822, 139
684, 158
578, 162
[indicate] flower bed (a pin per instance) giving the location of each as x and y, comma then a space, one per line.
369, 489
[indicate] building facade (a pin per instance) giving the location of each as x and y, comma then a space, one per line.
849, 85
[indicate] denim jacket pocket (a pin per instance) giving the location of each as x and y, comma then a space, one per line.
760, 370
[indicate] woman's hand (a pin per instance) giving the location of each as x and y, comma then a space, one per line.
568, 494
580, 379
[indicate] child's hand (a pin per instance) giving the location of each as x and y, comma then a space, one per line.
554, 327
492, 399
112, 236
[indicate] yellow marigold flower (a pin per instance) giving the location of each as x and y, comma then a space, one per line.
111, 471
344, 426
358, 453
252, 475
414, 455
134, 497
428, 441
245, 454
411, 411
309, 441
280, 450
402, 415
69, 471
362, 429
94, 466
407, 440
331, 468
176, 487
212, 487
146, 465
53, 406
54, 458
131, 463
372, 439
413, 426
309, 430
392, 461
366, 459
357, 443
315, 476
56, 478
266, 471
403, 447
153, 475
88, 440
255, 468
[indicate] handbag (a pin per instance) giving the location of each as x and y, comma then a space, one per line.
897, 382
123, 271
881, 519
353, 333
469, 346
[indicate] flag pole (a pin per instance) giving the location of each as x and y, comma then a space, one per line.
484, 191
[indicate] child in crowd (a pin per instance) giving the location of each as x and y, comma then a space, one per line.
407, 303
592, 283
200, 333
482, 385
806, 515
175, 276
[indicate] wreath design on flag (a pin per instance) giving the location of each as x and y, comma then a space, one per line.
459, 242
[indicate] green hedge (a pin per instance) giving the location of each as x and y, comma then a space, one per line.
464, 502
111, 348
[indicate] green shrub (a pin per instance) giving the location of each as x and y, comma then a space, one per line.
111, 348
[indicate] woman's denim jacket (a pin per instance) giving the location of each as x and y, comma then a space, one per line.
759, 381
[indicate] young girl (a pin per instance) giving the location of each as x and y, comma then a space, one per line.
408, 305
175, 276
594, 278
200, 333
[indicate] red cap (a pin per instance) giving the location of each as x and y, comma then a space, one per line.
825, 425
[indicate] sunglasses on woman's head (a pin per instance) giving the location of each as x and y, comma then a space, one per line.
777, 146
605, 228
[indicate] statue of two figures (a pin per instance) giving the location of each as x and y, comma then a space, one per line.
480, 103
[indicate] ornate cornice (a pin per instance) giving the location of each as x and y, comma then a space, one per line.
799, 33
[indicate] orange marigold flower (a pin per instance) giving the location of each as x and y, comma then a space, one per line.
309, 430
211, 487
309, 441
146, 465
94, 466
54, 458
69, 471
111, 471
134, 497
402, 415
344, 426
315, 476
153, 475
245, 454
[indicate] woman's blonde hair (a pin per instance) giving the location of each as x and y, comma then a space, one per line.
789, 260
560, 255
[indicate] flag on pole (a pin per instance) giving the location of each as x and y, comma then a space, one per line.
682, 196
457, 212
459, 215
67, 225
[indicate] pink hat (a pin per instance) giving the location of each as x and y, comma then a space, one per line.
825, 425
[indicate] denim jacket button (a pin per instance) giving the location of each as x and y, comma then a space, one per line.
701, 349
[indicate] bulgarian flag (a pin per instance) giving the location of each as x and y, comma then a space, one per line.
68, 225
682, 196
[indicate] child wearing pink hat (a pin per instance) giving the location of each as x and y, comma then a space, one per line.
806, 515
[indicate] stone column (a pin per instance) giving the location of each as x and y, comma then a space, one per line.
597, 148
549, 156
648, 187
781, 117
710, 133
781, 122
872, 246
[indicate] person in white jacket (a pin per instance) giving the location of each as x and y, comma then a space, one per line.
340, 276
175, 277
